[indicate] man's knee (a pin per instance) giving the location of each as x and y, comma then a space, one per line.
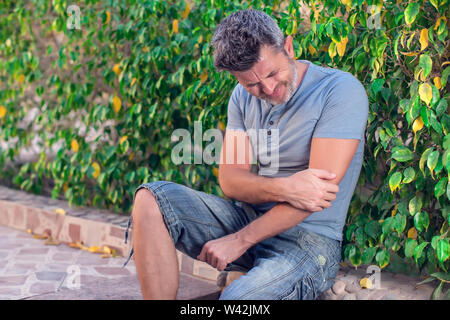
145, 205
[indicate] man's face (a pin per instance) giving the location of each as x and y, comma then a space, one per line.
273, 78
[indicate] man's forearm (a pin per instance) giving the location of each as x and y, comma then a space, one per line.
249, 187
280, 218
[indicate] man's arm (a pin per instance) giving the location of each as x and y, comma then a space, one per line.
307, 190
282, 216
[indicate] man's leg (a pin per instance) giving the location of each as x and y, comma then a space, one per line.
154, 251
294, 265
169, 216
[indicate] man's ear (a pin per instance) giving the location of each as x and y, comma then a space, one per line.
289, 47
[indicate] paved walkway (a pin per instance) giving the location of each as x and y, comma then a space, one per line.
30, 269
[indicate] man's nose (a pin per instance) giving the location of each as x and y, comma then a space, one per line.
269, 86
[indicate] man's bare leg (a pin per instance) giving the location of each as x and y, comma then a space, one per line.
154, 251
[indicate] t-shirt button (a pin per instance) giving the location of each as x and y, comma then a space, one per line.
269, 132
271, 122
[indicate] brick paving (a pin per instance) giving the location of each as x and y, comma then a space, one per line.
31, 270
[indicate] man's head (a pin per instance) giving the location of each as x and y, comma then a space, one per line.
250, 45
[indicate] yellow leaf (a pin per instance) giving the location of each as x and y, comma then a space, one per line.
341, 45
133, 81
41, 236
51, 242
417, 125
94, 249
221, 126
117, 70
108, 17
123, 139
65, 186
412, 233
312, 50
394, 211
294, 28
186, 11
97, 170
2, 111
215, 172
423, 39
175, 26
131, 156
107, 250
204, 76
21, 78
332, 50
366, 283
436, 80
410, 54
74, 145
381, 221
117, 104
200, 39
425, 93
60, 211
438, 22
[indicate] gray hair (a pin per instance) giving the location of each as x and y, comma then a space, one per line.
239, 37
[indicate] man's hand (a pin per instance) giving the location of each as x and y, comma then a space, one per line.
220, 252
310, 189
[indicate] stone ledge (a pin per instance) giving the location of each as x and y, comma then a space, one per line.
93, 227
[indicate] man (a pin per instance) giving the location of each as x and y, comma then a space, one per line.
283, 226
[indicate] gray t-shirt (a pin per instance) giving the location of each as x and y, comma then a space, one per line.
329, 103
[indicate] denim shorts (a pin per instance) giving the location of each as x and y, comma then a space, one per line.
294, 265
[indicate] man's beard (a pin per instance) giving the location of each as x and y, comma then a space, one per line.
291, 86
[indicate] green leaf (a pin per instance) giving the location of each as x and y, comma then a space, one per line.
395, 180
377, 85
419, 249
388, 225
440, 187
432, 160
400, 223
437, 292
443, 250
411, 12
410, 245
426, 64
441, 276
421, 221
402, 154
415, 205
372, 229
382, 258
390, 128
368, 255
408, 175
424, 158
355, 256
441, 107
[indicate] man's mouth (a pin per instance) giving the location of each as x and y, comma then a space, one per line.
276, 92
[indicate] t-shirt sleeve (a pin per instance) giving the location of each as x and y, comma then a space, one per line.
345, 110
235, 118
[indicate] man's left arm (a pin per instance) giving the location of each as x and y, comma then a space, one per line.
282, 216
